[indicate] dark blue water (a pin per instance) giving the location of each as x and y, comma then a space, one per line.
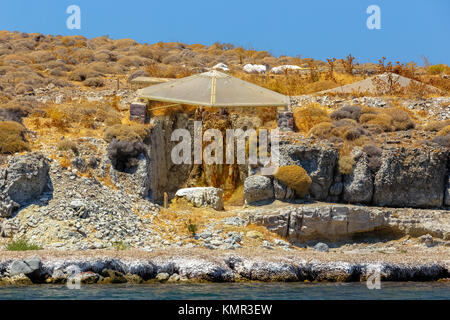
297, 291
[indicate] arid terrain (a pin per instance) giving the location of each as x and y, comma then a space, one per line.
364, 176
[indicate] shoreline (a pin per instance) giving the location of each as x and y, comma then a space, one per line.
199, 265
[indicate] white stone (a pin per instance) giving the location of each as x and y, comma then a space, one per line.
203, 196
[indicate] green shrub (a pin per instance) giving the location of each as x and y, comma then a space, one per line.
192, 228
21, 245
295, 177
120, 245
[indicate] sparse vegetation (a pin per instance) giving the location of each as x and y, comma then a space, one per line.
12, 137
21, 245
346, 164
120, 245
295, 177
308, 116
125, 132
66, 145
192, 228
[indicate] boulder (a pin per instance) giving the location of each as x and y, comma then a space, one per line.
17, 280
254, 68
22, 181
283, 68
162, 276
258, 188
221, 66
318, 161
202, 196
112, 276
411, 178
281, 191
322, 247
29, 267
358, 186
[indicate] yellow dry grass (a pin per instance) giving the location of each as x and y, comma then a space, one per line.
294, 177
308, 116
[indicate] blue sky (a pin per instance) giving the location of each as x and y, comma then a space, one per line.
314, 28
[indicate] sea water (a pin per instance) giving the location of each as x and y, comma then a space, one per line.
285, 291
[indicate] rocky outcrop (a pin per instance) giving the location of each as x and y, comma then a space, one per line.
202, 196
411, 178
447, 193
415, 178
29, 267
23, 180
339, 221
165, 175
358, 186
318, 161
225, 268
281, 191
258, 188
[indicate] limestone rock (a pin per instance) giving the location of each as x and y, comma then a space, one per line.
16, 280
338, 221
318, 161
28, 266
322, 247
163, 276
411, 178
358, 186
281, 191
23, 180
258, 188
113, 276
202, 196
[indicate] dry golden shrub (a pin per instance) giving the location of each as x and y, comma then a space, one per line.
323, 130
82, 114
346, 164
436, 125
125, 132
400, 119
444, 131
267, 114
67, 144
380, 120
308, 116
12, 137
295, 177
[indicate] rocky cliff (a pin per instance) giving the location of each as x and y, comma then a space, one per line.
405, 177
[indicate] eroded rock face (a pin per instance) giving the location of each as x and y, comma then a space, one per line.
358, 186
203, 196
165, 175
447, 193
281, 191
258, 188
319, 162
339, 221
23, 180
411, 178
